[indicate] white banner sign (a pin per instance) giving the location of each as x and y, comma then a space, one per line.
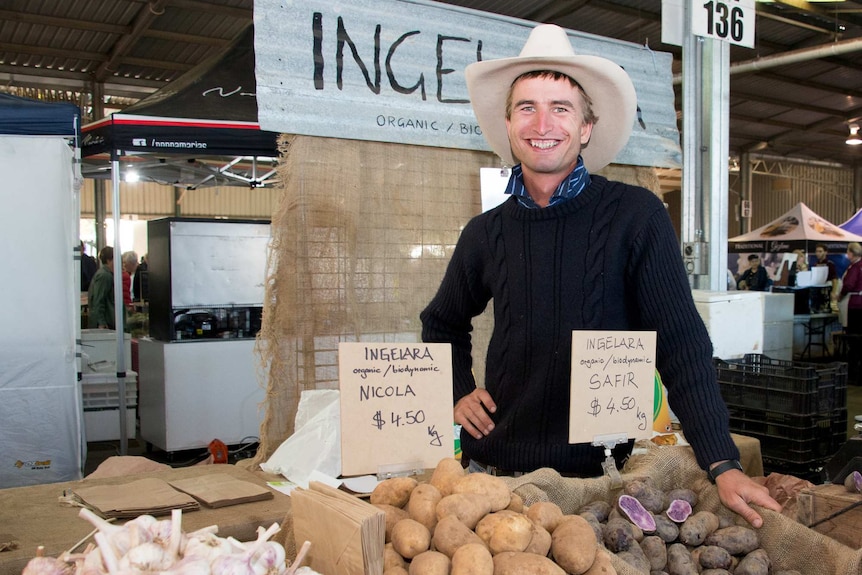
393, 71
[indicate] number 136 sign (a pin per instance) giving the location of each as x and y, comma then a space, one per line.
728, 20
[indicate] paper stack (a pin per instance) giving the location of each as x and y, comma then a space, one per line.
149, 496
346, 534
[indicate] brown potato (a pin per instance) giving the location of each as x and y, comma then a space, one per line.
394, 491
422, 505
396, 571
512, 533
450, 534
447, 472
545, 513
393, 516
516, 504
573, 544
472, 559
540, 542
430, 563
469, 508
486, 526
514, 563
391, 558
493, 487
410, 538
602, 565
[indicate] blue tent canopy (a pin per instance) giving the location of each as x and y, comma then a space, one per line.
23, 116
854, 224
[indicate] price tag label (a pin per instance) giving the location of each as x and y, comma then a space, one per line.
728, 20
613, 384
396, 405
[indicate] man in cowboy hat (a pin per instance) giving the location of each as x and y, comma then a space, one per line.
570, 250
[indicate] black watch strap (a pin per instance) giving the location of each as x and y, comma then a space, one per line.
722, 467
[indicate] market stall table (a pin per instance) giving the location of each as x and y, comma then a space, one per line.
34, 515
816, 326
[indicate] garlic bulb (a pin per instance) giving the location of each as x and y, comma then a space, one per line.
146, 557
269, 559
40, 565
146, 546
121, 537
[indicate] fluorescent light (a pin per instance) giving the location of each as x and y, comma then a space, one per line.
854, 139
132, 176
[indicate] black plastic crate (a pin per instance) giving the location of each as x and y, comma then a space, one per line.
793, 439
789, 442
813, 471
778, 386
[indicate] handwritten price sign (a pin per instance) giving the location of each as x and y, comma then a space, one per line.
613, 375
396, 405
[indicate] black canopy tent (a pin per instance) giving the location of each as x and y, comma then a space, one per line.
199, 130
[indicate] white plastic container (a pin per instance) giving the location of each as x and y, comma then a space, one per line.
99, 351
101, 401
734, 320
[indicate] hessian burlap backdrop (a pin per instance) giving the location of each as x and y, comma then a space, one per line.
360, 242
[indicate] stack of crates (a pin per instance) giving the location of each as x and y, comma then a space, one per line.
797, 410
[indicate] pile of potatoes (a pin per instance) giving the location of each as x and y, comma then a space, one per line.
462, 523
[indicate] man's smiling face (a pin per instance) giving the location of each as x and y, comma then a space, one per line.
546, 125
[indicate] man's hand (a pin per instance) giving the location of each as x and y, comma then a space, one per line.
737, 490
471, 413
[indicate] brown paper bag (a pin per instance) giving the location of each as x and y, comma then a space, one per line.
346, 534
149, 496
220, 490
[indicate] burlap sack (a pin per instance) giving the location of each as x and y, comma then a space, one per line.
789, 544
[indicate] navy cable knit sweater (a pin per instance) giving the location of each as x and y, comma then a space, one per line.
607, 259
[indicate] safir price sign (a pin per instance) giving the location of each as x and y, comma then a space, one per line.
613, 384
728, 20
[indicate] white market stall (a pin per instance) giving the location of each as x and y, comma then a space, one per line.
40, 400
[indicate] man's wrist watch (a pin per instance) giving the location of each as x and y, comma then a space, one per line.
722, 467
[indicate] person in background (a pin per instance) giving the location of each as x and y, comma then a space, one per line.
569, 250
755, 277
799, 265
100, 297
140, 281
89, 267
822, 253
851, 287
130, 264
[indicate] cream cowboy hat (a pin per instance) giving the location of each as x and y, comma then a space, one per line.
548, 48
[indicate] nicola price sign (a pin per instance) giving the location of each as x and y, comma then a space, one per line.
393, 71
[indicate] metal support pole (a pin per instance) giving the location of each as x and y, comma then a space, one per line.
705, 97
119, 306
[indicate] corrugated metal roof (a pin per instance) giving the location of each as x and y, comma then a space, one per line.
55, 49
